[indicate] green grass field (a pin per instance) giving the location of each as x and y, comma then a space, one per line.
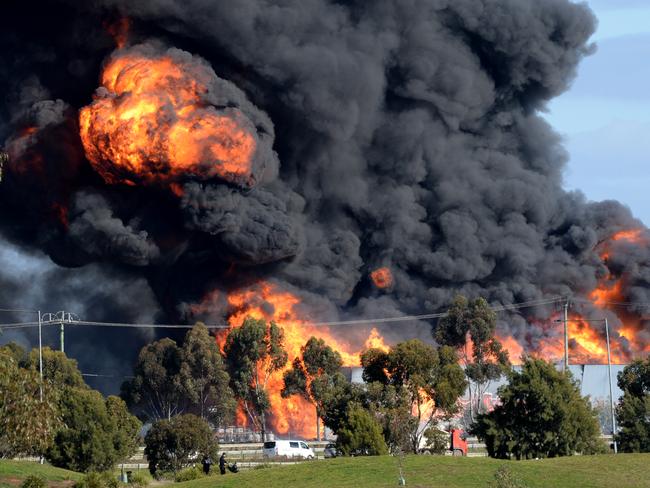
12, 473
622, 471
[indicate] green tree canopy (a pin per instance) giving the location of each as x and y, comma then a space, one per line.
171, 445
204, 376
337, 399
58, 369
360, 434
27, 424
96, 432
254, 352
313, 375
541, 414
427, 381
15, 351
469, 327
126, 427
158, 387
393, 409
633, 410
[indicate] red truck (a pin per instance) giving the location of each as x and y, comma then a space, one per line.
457, 444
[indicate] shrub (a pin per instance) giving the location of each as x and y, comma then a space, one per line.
33, 482
171, 445
503, 478
189, 474
139, 479
361, 434
98, 480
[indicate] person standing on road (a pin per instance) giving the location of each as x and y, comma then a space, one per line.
222, 463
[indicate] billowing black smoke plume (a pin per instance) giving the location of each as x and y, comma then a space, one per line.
408, 136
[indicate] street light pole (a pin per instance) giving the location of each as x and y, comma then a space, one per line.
611, 394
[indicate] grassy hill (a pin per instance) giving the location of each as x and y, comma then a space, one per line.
622, 471
12, 473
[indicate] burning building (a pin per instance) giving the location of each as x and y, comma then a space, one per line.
309, 162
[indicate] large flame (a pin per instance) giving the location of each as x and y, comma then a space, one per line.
296, 416
149, 122
293, 415
587, 339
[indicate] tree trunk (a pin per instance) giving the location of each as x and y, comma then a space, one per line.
263, 426
471, 401
317, 424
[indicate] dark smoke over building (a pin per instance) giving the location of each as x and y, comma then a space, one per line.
401, 135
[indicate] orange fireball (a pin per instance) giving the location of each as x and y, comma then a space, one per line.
382, 277
150, 122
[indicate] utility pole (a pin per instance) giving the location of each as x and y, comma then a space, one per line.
40, 352
566, 334
40, 364
611, 393
62, 331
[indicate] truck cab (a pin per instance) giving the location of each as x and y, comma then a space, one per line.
458, 443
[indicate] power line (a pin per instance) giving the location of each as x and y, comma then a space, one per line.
623, 304
18, 310
18, 325
99, 375
368, 321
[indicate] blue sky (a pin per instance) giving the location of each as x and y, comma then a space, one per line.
605, 116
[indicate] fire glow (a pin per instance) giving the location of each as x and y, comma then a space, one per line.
149, 122
382, 277
265, 300
587, 343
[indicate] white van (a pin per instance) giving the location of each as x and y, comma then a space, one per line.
289, 449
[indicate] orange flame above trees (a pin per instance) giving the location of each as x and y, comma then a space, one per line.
149, 122
587, 339
265, 300
296, 415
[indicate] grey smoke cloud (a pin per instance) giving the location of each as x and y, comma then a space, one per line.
30, 280
399, 134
